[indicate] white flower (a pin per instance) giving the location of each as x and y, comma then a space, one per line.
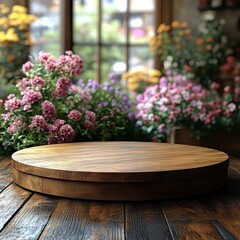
209, 15
232, 106
185, 95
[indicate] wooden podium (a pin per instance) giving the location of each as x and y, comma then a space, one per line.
120, 171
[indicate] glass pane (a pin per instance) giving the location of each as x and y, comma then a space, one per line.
46, 29
140, 56
113, 21
85, 21
141, 21
113, 60
90, 62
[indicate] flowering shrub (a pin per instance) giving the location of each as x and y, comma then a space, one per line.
200, 57
173, 45
176, 101
14, 40
211, 48
47, 107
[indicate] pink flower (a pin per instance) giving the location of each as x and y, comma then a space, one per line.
38, 82
66, 133
89, 115
215, 86
43, 56
23, 84
75, 115
16, 125
161, 127
232, 107
51, 64
237, 79
227, 89
12, 104
62, 86
227, 113
26, 107
48, 60
6, 116
31, 96
48, 109
39, 123
11, 96
89, 125
60, 133
27, 66
59, 122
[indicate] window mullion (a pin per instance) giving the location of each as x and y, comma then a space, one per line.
127, 35
99, 45
66, 30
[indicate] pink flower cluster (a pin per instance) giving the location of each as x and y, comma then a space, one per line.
62, 87
75, 115
90, 118
69, 63
183, 103
46, 103
16, 125
48, 108
60, 132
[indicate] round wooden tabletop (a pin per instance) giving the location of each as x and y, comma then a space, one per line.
120, 170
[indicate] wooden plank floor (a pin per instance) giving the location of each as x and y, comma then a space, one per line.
27, 215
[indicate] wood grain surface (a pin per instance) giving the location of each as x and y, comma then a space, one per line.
28, 215
120, 170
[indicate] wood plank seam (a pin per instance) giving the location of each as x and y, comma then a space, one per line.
16, 212
6, 187
50, 216
223, 232
166, 219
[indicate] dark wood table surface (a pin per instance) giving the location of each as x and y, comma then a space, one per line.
28, 215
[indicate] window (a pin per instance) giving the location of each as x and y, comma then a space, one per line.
110, 35
45, 30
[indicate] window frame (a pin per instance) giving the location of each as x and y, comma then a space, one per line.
163, 14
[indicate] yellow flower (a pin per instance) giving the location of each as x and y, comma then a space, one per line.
11, 35
163, 28
19, 9
154, 80
184, 24
2, 36
176, 24
5, 10
3, 22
